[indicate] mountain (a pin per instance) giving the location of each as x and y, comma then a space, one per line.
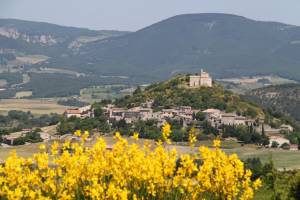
27, 47
225, 45
280, 98
45, 38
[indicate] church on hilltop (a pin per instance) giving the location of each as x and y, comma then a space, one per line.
202, 80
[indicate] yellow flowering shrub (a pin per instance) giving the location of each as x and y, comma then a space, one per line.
127, 171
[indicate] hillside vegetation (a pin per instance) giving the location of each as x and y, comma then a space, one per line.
175, 92
280, 98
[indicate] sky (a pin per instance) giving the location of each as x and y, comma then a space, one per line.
133, 15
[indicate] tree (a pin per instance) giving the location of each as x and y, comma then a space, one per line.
285, 146
200, 116
294, 191
255, 165
274, 144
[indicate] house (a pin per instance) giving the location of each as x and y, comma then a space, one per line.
240, 120
286, 127
116, 113
269, 130
202, 80
9, 139
82, 112
228, 118
212, 112
72, 113
279, 139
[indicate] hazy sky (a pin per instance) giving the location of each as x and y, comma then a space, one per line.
136, 14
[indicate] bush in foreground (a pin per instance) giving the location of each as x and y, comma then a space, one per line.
73, 171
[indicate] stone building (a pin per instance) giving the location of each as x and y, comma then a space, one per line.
203, 79
82, 112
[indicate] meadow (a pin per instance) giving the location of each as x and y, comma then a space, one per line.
35, 106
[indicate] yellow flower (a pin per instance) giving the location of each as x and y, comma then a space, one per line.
126, 171
217, 143
257, 184
166, 131
78, 133
192, 137
54, 148
42, 147
85, 136
118, 135
135, 136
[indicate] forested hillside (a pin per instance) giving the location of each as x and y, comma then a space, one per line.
282, 98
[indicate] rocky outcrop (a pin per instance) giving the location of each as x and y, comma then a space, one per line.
13, 33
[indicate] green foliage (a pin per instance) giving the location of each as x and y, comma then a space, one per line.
11, 78
5, 57
294, 191
18, 120
274, 144
286, 101
99, 123
147, 129
62, 85
256, 166
245, 134
32, 137
72, 102
285, 146
200, 116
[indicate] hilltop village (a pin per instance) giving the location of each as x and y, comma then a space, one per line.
190, 101
186, 115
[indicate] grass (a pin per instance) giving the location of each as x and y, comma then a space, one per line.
22, 150
283, 159
35, 106
263, 194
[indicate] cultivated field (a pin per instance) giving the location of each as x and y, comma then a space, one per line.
35, 106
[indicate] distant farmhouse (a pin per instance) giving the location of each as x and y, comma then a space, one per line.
201, 80
82, 112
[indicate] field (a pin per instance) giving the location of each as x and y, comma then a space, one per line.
35, 106
3, 83
31, 59
23, 94
282, 159
96, 93
243, 84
